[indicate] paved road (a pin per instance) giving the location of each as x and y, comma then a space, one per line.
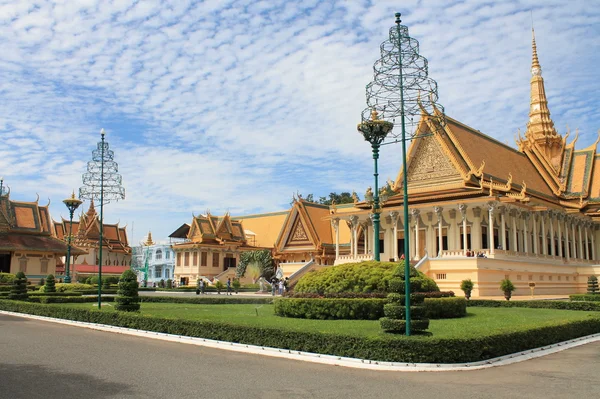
46, 360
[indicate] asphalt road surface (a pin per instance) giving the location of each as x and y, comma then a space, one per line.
47, 360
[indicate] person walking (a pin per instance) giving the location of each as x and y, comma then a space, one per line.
281, 287
229, 286
273, 286
202, 286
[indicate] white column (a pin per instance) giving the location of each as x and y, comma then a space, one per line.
544, 241
560, 251
581, 256
593, 228
463, 212
567, 250
365, 227
587, 243
525, 232
335, 223
503, 228
491, 207
551, 214
438, 211
574, 240
415, 215
536, 239
515, 244
395, 243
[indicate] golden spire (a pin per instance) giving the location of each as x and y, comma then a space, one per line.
149, 241
536, 69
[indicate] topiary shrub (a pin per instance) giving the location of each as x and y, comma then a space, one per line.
507, 287
127, 299
42, 282
445, 308
370, 276
7, 278
105, 282
50, 285
19, 287
169, 283
467, 287
592, 285
219, 286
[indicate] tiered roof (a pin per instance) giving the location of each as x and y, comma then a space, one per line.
86, 232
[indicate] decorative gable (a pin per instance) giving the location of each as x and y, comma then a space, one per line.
429, 164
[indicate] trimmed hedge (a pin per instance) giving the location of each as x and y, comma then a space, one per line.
69, 299
387, 348
42, 293
95, 291
445, 308
208, 300
398, 326
585, 297
348, 306
564, 305
369, 276
330, 308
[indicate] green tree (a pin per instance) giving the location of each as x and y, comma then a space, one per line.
19, 287
128, 299
592, 285
262, 259
50, 285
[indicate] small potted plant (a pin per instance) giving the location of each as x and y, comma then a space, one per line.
507, 287
219, 285
467, 287
236, 285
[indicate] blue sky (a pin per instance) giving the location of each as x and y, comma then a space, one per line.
236, 105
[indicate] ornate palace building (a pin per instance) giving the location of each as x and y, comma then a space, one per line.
531, 212
209, 247
159, 257
116, 252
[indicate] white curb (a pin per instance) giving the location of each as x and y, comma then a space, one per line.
327, 359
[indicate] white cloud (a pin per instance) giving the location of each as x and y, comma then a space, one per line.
237, 104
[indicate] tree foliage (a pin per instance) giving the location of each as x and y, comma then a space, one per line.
260, 260
128, 299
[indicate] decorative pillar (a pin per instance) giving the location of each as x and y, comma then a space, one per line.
463, 212
574, 240
503, 227
587, 243
536, 239
515, 244
544, 241
365, 227
525, 232
560, 251
567, 249
580, 241
395, 215
476, 229
491, 207
593, 228
354, 224
438, 211
551, 215
415, 214
335, 223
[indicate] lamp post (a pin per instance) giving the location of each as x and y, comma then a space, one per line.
102, 182
401, 88
72, 204
374, 131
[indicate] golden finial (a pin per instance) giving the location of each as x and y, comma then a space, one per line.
536, 69
149, 241
374, 115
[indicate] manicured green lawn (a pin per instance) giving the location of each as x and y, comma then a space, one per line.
479, 321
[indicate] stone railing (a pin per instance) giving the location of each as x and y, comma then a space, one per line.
353, 258
515, 255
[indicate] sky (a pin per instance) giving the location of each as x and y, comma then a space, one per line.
235, 105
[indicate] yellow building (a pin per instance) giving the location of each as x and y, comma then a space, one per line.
532, 213
209, 247
27, 240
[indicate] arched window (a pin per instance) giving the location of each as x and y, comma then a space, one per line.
158, 255
167, 254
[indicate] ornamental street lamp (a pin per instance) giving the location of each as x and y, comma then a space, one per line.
103, 183
401, 88
72, 205
374, 131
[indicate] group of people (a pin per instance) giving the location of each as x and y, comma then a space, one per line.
472, 254
279, 286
